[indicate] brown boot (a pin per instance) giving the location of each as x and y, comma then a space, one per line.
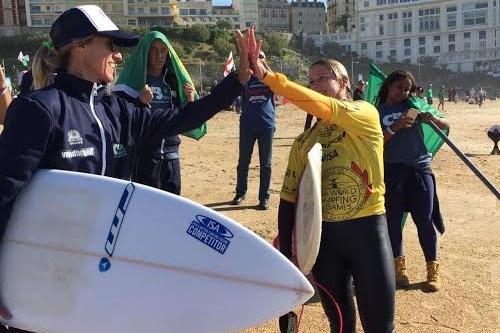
433, 279
400, 268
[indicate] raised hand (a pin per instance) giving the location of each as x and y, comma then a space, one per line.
146, 95
189, 90
2, 78
244, 70
259, 66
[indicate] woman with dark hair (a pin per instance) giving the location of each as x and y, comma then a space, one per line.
409, 181
75, 124
354, 239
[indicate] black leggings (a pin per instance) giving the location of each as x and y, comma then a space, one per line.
359, 248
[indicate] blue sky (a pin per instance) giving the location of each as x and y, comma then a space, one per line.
228, 2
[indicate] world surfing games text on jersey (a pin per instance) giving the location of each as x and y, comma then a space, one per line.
116, 225
211, 233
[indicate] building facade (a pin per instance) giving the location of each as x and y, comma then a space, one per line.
273, 15
249, 14
340, 15
461, 35
10, 17
308, 17
147, 13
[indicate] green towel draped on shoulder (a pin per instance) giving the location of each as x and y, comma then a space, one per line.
132, 77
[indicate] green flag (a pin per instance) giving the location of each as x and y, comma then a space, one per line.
375, 79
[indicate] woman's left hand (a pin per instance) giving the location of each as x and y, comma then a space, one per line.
189, 91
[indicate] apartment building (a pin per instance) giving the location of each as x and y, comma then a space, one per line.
340, 15
249, 13
308, 17
12, 17
461, 35
273, 15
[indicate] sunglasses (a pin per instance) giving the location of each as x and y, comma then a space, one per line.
261, 56
111, 46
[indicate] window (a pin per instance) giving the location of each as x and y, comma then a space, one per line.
451, 47
36, 10
407, 42
421, 40
366, 4
466, 35
381, 30
475, 13
407, 52
421, 50
467, 56
184, 12
203, 12
482, 54
48, 22
392, 24
153, 10
165, 11
131, 10
378, 43
437, 49
264, 13
132, 22
392, 54
140, 10
451, 38
467, 46
429, 19
192, 11
363, 46
482, 34
437, 38
378, 54
36, 22
482, 44
451, 17
381, 17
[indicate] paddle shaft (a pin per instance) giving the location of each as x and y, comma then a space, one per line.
466, 160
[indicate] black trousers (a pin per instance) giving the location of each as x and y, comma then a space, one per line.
359, 248
164, 174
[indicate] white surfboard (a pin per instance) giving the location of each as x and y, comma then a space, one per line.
308, 215
85, 253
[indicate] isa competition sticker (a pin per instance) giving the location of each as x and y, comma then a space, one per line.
211, 233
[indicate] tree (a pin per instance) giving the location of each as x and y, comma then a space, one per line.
332, 50
274, 43
198, 33
224, 25
310, 47
222, 47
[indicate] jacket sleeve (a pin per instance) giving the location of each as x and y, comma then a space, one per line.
23, 143
193, 114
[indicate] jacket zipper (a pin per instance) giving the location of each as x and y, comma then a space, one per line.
101, 129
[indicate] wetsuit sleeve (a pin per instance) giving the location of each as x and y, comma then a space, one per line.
292, 175
23, 143
286, 221
194, 114
360, 117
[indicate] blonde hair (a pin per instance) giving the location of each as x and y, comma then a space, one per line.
47, 60
338, 70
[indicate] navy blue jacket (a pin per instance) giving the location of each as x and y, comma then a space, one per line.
75, 125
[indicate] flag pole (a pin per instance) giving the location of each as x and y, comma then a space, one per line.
466, 160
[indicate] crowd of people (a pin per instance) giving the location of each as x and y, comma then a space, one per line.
374, 154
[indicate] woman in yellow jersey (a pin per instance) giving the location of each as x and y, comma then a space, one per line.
354, 239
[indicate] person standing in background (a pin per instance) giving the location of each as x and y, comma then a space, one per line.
359, 92
429, 94
257, 122
441, 97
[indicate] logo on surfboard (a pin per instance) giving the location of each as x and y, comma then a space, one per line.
115, 227
211, 233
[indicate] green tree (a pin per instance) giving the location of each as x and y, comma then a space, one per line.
310, 47
198, 33
222, 47
274, 44
224, 25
